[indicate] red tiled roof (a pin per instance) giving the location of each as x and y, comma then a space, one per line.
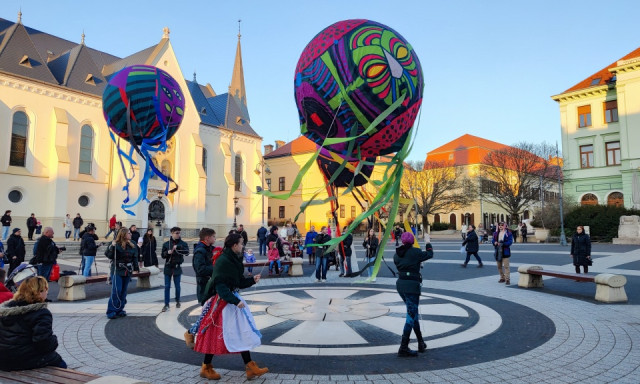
296, 147
466, 149
603, 75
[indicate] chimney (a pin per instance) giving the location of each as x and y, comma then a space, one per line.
279, 143
268, 149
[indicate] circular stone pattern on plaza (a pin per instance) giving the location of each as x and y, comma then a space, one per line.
355, 329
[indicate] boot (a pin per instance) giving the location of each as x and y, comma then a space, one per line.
253, 370
208, 372
404, 350
422, 346
189, 339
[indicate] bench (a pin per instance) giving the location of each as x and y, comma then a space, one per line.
294, 270
55, 375
72, 287
609, 287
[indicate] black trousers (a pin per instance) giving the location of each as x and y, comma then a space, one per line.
31, 229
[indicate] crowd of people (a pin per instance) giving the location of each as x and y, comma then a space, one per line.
26, 323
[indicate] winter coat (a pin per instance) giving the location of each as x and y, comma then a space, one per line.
245, 237
148, 251
273, 253
135, 235
372, 242
15, 247
203, 266
321, 239
346, 245
275, 237
5, 293
262, 233
77, 222
172, 265
227, 276
124, 261
581, 248
407, 259
32, 222
506, 243
471, 242
47, 252
88, 246
310, 239
6, 220
26, 336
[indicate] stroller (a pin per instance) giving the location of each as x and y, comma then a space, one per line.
18, 275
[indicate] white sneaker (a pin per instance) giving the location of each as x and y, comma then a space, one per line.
317, 280
373, 280
324, 280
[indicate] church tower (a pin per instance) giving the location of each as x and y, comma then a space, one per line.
236, 89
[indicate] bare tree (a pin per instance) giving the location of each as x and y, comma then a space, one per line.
436, 187
515, 176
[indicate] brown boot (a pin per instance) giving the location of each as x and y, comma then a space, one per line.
254, 371
189, 339
208, 372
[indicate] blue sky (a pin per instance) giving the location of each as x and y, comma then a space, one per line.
490, 67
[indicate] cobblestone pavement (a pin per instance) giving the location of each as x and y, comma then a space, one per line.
558, 334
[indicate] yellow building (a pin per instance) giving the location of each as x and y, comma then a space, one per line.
284, 163
56, 156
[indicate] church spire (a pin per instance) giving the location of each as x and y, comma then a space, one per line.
236, 89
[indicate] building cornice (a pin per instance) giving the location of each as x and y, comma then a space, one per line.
50, 90
626, 65
600, 90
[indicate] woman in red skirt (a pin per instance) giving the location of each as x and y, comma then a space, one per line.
227, 277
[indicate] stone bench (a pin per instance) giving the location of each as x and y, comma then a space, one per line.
295, 264
57, 375
72, 287
609, 287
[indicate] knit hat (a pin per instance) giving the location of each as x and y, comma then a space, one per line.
407, 238
15, 230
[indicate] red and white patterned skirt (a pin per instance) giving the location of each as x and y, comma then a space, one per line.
209, 339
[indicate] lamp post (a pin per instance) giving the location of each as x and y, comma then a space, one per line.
261, 169
235, 211
563, 238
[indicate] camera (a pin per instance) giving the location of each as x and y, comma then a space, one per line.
62, 249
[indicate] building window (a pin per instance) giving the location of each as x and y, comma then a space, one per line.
586, 156
342, 211
238, 173
353, 211
204, 160
86, 150
613, 153
15, 196
436, 218
268, 212
281, 211
611, 111
589, 199
281, 184
19, 139
83, 200
584, 116
615, 199
268, 181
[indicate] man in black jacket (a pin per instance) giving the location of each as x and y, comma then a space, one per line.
88, 249
262, 240
47, 253
6, 224
243, 233
15, 250
32, 223
77, 224
472, 246
322, 259
173, 251
345, 247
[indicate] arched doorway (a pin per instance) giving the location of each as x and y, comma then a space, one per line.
452, 220
156, 216
436, 218
526, 214
589, 199
615, 199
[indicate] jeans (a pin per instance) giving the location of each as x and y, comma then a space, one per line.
88, 261
321, 266
412, 321
167, 288
341, 262
263, 247
475, 254
5, 233
67, 234
371, 260
348, 269
44, 270
111, 230
76, 233
271, 266
118, 298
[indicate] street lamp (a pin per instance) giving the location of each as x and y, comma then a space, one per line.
563, 239
235, 211
261, 169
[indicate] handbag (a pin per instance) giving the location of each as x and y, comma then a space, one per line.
55, 273
463, 250
589, 261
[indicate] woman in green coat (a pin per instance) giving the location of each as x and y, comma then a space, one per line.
407, 259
